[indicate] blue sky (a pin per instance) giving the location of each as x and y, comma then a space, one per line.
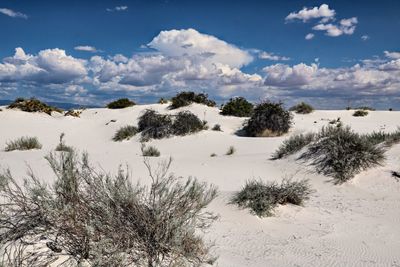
94, 51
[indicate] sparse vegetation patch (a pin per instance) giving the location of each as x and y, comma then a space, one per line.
23, 143
121, 103
125, 133
262, 198
33, 105
302, 108
238, 107
186, 98
360, 113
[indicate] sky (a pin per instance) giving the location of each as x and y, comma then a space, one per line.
331, 54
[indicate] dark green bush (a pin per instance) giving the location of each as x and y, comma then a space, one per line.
186, 123
238, 107
33, 105
365, 108
360, 113
186, 98
268, 119
125, 132
121, 103
155, 125
262, 198
302, 108
23, 143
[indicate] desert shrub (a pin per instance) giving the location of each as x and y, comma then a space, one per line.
73, 113
33, 105
388, 139
238, 107
293, 144
360, 113
121, 103
162, 101
62, 146
268, 119
213, 155
91, 218
125, 132
341, 153
155, 125
231, 151
150, 151
186, 123
186, 98
216, 127
23, 143
262, 198
302, 108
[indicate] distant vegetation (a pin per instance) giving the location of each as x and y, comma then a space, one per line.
302, 108
125, 133
23, 143
73, 113
32, 105
162, 101
154, 125
238, 107
217, 128
91, 218
121, 103
150, 151
262, 198
339, 152
186, 98
365, 108
360, 113
268, 119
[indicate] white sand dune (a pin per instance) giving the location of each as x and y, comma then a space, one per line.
354, 224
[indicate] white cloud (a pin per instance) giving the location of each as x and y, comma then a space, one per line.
346, 26
12, 13
86, 48
117, 8
365, 37
271, 56
207, 48
309, 36
392, 55
284, 75
306, 14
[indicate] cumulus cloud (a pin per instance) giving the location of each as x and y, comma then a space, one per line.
307, 14
392, 55
285, 76
12, 13
86, 48
272, 56
190, 42
346, 26
309, 36
117, 8
365, 37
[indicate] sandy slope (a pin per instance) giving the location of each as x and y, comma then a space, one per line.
355, 224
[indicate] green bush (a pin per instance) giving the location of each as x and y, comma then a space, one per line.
238, 107
23, 143
293, 144
186, 123
262, 198
155, 125
360, 113
186, 98
341, 153
90, 218
125, 133
365, 108
302, 108
121, 103
33, 105
268, 119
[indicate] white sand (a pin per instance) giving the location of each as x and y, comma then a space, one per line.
354, 224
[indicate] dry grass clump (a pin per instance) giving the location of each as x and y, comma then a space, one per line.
360, 113
32, 105
23, 143
73, 113
293, 144
262, 198
268, 119
125, 133
62, 146
150, 151
302, 108
91, 218
121, 103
